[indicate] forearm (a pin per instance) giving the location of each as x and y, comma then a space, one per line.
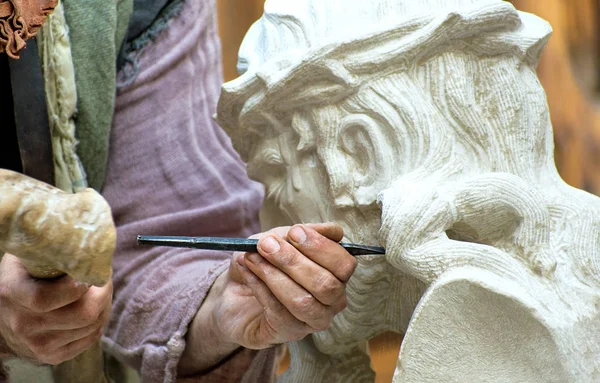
188, 182
206, 346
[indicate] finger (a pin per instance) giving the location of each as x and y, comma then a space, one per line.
299, 302
324, 251
71, 350
237, 258
52, 341
279, 324
16, 267
83, 312
44, 295
317, 280
65, 337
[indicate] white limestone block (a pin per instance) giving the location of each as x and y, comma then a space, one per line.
421, 126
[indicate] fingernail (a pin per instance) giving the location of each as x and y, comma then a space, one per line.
297, 234
270, 245
253, 258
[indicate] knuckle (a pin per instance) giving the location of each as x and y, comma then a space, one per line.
304, 304
90, 314
314, 314
315, 240
352, 263
341, 304
329, 287
346, 268
89, 317
288, 259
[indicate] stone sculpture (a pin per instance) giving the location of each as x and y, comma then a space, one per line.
421, 126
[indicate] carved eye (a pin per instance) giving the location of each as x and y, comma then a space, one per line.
272, 157
268, 167
266, 164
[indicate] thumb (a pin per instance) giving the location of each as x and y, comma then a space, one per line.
237, 267
330, 230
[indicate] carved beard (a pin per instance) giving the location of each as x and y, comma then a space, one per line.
21, 20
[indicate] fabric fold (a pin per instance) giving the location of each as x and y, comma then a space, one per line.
21, 20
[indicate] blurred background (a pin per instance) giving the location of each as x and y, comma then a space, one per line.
569, 71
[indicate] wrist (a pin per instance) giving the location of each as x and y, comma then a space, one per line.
209, 315
206, 343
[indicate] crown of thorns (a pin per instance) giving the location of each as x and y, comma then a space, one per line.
294, 79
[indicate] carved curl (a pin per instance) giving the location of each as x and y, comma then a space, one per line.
20, 20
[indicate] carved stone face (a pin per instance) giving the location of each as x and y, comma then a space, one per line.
437, 144
292, 179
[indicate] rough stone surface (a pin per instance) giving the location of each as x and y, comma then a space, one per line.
54, 232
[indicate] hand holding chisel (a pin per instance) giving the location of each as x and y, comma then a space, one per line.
279, 287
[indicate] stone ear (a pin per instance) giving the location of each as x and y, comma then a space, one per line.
364, 164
